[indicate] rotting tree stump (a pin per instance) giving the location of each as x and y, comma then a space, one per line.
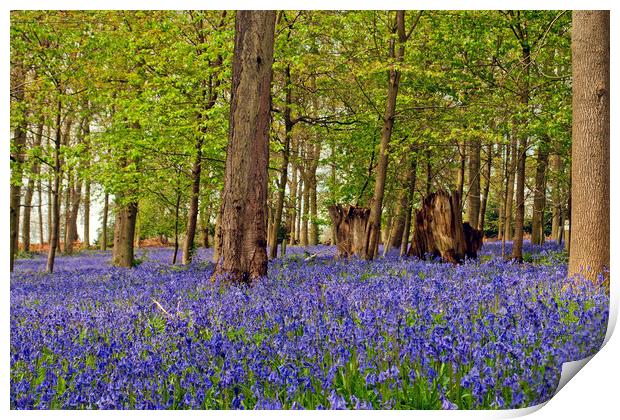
350, 223
440, 232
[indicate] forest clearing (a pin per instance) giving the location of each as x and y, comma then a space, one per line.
306, 209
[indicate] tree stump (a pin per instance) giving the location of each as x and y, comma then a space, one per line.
440, 232
350, 224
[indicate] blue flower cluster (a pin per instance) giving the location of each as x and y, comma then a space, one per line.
316, 333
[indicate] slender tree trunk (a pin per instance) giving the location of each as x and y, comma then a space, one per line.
55, 230
502, 193
86, 234
40, 208
293, 203
314, 224
30, 192
176, 230
300, 190
555, 197
517, 243
590, 149
396, 55
429, 172
460, 176
411, 181
473, 194
305, 211
192, 215
510, 183
487, 187
104, 228
244, 199
288, 127
540, 192
72, 212
18, 81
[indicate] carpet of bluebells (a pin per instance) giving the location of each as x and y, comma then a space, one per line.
317, 333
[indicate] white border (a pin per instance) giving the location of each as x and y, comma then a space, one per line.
592, 395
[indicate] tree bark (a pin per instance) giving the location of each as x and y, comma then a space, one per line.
510, 184
55, 230
86, 234
18, 81
72, 213
411, 181
540, 190
460, 176
487, 187
288, 127
473, 193
350, 224
34, 171
589, 254
176, 230
396, 56
243, 249
124, 231
556, 208
104, 228
305, 212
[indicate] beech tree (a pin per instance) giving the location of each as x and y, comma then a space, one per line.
589, 236
243, 253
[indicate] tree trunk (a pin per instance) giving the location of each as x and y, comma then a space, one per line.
305, 213
429, 172
411, 180
217, 237
104, 228
55, 226
396, 56
244, 199
124, 231
30, 191
590, 149
176, 231
510, 184
288, 126
487, 187
556, 208
540, 190
396, 234
72, 212
18, 81
86, 214
473, 193
40, 208
460, 176
350, 223
502, 205
293, 202
192, 214
440, 232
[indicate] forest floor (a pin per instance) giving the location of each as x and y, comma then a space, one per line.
316, 333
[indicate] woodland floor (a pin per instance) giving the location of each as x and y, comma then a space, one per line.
392, 333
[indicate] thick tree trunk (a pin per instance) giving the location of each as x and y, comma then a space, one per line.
396, 55
350, 224
104, 228
288, 127
18, 81
244, 199
540, 192
473, 193
440, 232
411, 181
487, 187
589, 256
55, 226
124, 231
